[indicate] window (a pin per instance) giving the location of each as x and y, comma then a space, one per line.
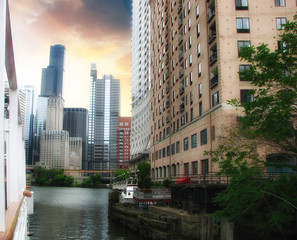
185, 29
213, 133
242, 68
191, 114
191, 97
197, 11
189, 6
190, 59
195, 168
186, 165
215, 99
198, 30
190, 41
280, 3
246, 96
163, 150
204, 166
199, 69
279, 22
194, 140
242, 44
200, 90
281, 45
173, 148
168, 151
178, 147
200, 108
198, 50
186, 144
203, 137
243, 25
189, 23
241, 4
191, 77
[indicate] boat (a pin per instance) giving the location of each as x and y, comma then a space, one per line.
16, 200
127, 194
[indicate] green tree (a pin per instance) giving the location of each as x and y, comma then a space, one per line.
144, 172
122, 174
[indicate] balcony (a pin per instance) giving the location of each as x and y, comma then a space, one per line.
211, 14
214, 81
212, 37
213, 58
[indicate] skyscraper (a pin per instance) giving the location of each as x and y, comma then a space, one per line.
124, 131
52, 76
75, 121
103, 121
140, 128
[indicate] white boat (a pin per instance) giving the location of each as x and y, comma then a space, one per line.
121, 185
127, 194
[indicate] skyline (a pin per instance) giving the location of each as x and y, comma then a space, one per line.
92, 31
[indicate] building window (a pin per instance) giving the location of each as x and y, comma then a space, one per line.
198, 50
213, 133
191, 97
189, 23
186, 144
190, 59
241, 4
203, 137
164, 152
243, 25
191, 77
280, 22
186, 165
200, 108
243, 68
190, 41
173, 149
204, 166
168, 151
195, 168
199, 69
242, 44
198, 30
197, 11
281, 45
177, 146
191, 114
280, 3
194, 140
215, 99
246, 96
185, 29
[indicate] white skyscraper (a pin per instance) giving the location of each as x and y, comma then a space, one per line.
140, 129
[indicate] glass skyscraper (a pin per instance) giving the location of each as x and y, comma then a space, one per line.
103, 121
52, 76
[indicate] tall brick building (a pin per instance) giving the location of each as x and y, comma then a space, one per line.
124, 131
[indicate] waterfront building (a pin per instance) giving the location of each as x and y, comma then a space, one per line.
104, 113
195, 47
13, 204
75, 153
28, 92
140, 128
75, 121
52, 76
124, 131
54, 149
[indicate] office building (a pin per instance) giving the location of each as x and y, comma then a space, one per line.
195, 47
103, 121
124, 131
28, 92
75, 121
75, 153
52, 76
140, 129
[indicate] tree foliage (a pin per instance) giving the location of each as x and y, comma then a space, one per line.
92, 182
144, 172
51, 177
122, 174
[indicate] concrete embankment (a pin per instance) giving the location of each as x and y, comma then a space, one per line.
167, 223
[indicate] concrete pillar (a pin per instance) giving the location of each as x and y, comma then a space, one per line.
2, 77
227, 230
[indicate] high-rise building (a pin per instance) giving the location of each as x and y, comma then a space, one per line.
28, 91
103, 121
75, 121
52, 76
75, 153
140, 129
195, 48
124, 131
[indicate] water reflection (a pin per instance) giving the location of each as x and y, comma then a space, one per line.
73, 213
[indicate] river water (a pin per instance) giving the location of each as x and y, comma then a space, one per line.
73, 213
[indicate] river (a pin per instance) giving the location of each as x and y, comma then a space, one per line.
73, 213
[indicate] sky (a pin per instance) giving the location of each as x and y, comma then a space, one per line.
96, 31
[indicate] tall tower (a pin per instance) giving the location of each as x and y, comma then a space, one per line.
140, 126
103, 122
124, 131
52, 76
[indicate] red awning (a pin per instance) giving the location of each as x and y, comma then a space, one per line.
183, 180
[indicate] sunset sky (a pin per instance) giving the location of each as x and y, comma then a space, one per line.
91, 30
